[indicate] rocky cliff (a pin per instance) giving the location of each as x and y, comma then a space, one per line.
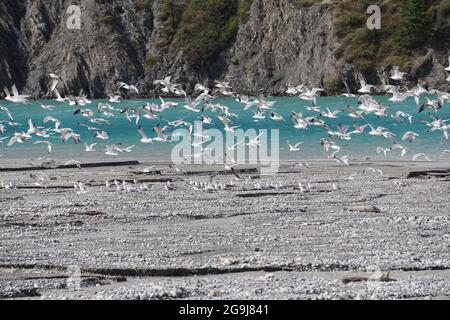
277, 43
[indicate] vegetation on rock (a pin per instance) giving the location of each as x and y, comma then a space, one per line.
406, 29
201, 29
207, 27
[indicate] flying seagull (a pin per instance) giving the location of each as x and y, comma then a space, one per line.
410, 136
16, 97
431, 104
128, 87
145, 139
295, 147
397, 74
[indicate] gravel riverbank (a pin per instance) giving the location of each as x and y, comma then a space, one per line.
258, 238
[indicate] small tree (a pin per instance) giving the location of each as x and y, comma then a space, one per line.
414, 27
206, 28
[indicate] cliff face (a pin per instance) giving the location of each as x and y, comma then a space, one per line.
283, 44
13, 64
280, 43
92, 58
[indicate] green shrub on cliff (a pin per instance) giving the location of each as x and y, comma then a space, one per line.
243, 10
333, 84
413, 30
407, 27
206, 28
170, 14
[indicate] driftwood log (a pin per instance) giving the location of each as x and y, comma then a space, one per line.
383, 278
82, 165
429, 173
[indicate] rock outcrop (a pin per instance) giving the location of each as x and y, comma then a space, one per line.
280, 43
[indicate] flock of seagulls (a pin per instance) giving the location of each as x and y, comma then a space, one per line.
211, 112
210, 185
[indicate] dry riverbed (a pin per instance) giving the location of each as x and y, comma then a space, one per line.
337, 240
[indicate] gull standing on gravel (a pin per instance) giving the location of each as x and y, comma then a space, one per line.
80, 188
73, 163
